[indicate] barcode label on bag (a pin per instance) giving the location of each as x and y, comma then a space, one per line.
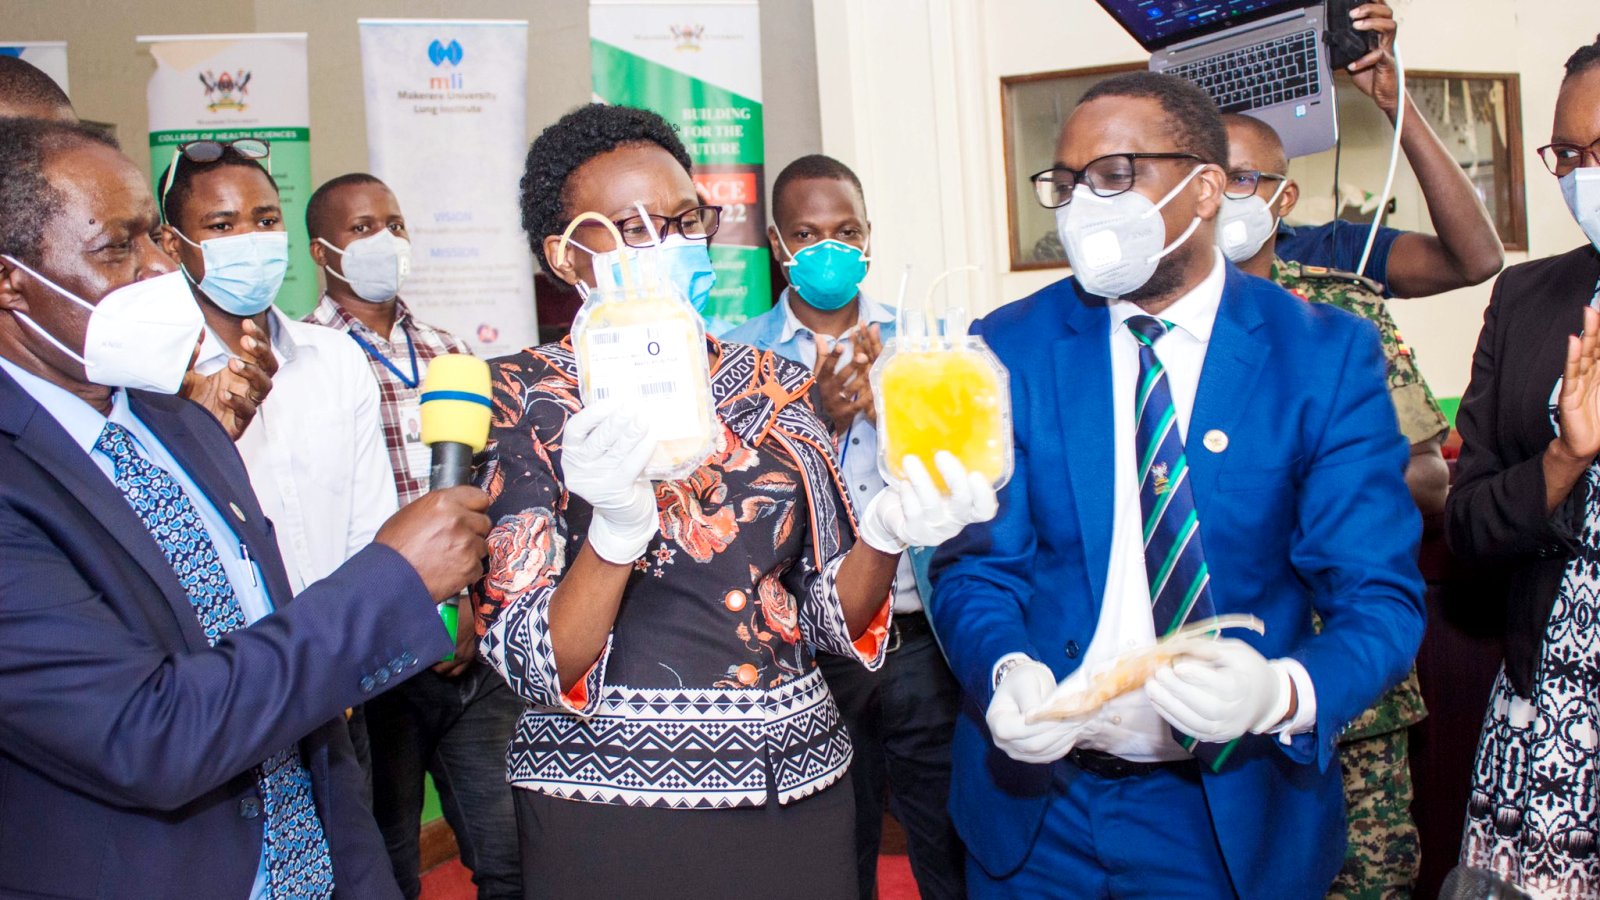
653, 364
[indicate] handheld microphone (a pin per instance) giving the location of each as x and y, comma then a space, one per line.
455, 417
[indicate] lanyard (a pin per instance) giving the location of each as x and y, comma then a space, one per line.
411, 344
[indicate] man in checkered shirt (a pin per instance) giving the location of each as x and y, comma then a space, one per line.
455, 720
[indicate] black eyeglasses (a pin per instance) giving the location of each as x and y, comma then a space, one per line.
1106, 176
1243, 183
697, 224
1561, 157
203, 152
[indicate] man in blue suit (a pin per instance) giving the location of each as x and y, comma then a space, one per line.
170, 725
1190, 442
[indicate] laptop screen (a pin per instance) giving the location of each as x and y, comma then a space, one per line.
1161, 23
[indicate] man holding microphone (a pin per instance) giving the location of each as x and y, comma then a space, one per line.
167, 717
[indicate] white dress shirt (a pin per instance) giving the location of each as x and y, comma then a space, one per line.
83, 423
315, 450
1129, 726
858, 451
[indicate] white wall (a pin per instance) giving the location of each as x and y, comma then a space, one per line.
911, 97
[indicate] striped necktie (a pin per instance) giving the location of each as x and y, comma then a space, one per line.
1174, 560
298, 862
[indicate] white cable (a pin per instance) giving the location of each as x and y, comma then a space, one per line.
1394, 162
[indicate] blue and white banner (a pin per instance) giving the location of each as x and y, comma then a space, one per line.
447, 131
49, 57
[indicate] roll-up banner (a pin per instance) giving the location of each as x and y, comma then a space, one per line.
226, 86
447, 131
699, 66
49, 57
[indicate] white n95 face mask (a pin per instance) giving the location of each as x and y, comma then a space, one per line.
1243, 225
141, 335
1115, 243
1581, 189
374, 266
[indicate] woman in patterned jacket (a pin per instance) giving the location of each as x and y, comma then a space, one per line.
1526, 508
678, 740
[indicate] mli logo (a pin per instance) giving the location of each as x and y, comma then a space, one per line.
226, 91
440, 53
688, 36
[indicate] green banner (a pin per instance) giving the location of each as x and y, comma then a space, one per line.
227, 86
698, 65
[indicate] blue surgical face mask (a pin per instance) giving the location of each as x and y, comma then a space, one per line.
243, 271
685, 262
826, 274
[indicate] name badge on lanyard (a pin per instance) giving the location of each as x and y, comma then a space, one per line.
419, 459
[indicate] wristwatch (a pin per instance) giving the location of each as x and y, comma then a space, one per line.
1005, 667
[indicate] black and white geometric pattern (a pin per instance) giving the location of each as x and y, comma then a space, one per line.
685, 749
1532, 817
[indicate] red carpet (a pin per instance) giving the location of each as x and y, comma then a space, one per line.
451, 881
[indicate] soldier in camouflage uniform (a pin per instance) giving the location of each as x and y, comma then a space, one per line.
1383, 855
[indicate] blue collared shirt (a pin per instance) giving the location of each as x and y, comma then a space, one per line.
83, 423
1338, 245
782, 332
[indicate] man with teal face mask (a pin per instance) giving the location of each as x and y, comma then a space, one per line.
315, 451
901, 717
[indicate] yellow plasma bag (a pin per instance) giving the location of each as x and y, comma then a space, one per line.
936, 387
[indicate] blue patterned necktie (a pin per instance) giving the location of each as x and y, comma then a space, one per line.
298, 863
1174, 560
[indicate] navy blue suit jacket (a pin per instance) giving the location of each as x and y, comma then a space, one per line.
1305, 509
127, 744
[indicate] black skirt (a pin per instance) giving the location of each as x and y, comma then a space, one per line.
573, 850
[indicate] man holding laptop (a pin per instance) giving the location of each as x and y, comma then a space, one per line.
1271, 59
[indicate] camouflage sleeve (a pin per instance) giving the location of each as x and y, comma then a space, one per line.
1420, 417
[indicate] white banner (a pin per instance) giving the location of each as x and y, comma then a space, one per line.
227, 86
49, 57
447, 131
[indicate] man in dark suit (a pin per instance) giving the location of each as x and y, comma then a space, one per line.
1190, 442
170, 725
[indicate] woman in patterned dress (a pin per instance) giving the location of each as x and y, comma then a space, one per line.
1527, 501
678, 740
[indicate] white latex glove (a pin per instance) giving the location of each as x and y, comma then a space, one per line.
1221, 691
605, 450
1025, 688
912, 513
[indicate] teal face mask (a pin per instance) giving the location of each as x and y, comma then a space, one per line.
243, 271
826, 274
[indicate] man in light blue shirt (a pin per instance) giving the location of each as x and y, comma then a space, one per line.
901, 717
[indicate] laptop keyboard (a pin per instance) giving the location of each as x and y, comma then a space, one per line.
1275, 71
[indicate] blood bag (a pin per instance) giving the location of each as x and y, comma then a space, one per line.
638, 340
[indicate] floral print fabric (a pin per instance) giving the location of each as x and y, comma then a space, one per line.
708, 682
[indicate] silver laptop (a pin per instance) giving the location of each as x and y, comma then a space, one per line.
1264, 58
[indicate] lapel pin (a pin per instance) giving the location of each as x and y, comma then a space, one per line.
1215, 440
240, 513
